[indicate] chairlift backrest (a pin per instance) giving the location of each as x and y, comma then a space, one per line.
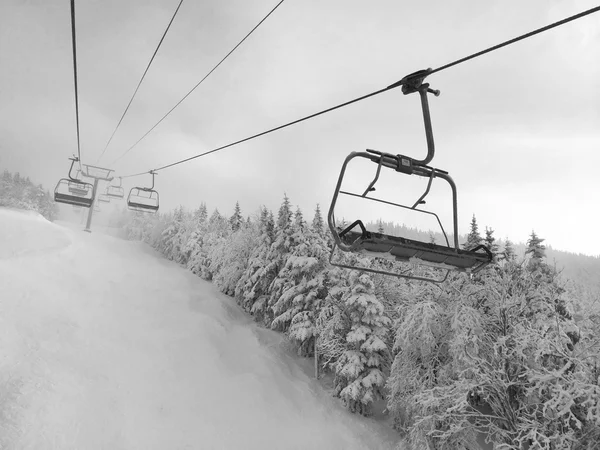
115, 191
143, 199
103, 198
72, 191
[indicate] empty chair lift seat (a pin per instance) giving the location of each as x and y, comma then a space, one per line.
115, 192
143, 200
74, 193
406, 250
80, 190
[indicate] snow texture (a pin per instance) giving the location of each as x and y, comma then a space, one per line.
104, 344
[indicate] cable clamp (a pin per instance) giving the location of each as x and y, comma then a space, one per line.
414, 83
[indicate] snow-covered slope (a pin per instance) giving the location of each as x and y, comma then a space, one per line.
103, 344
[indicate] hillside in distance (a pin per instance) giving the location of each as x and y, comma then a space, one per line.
582, 270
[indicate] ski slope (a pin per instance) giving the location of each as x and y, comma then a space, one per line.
105, 345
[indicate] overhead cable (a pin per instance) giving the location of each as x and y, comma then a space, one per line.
73, 39
140, 82
390, 87
199, 83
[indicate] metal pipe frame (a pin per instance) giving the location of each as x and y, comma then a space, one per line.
421, 171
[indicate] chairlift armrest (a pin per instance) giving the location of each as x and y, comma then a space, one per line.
485, 249
365, 233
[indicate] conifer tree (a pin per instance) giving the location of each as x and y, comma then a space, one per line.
299, 218
380, 228
317, 223
236, 219
266, 288
287, 236
490, 241
360, 377
474, 238
251, 285
300, 287
535, 248
201, 214
231, 259
284, 216
509, 251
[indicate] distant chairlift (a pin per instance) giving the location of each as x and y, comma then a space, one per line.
397, 248
73, 191
104, 198
143, 199
76, 188
115, 191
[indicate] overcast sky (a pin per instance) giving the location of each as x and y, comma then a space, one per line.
518, 129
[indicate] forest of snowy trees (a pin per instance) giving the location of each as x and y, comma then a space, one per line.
19, 192
511, 351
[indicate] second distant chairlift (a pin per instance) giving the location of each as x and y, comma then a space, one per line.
103, 198
73, 191
115, 191
448, 257
143, 199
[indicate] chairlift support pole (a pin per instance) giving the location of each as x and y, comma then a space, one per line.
88, 224
103, 174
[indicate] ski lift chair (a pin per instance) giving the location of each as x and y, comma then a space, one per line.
73, 191
103, 198
143, 199
115, 191
356, 239
76, 188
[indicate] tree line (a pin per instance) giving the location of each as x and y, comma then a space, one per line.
22, 193
510, 350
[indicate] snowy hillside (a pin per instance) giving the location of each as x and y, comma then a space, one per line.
106, 345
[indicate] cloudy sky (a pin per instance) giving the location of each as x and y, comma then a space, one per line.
518, 129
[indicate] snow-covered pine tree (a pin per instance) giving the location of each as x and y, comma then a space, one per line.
318, 225
194, 247
360, 370
267, 283
232, 260
490, 242
193, 241
253, 284
535, 249
236, 220
303, 286
498, 351
474, 238
508, 254
171, 237
217, 233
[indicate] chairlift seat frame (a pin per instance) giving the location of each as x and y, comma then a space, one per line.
448, 258
135, 192
75, 187
103, 198
115, 191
